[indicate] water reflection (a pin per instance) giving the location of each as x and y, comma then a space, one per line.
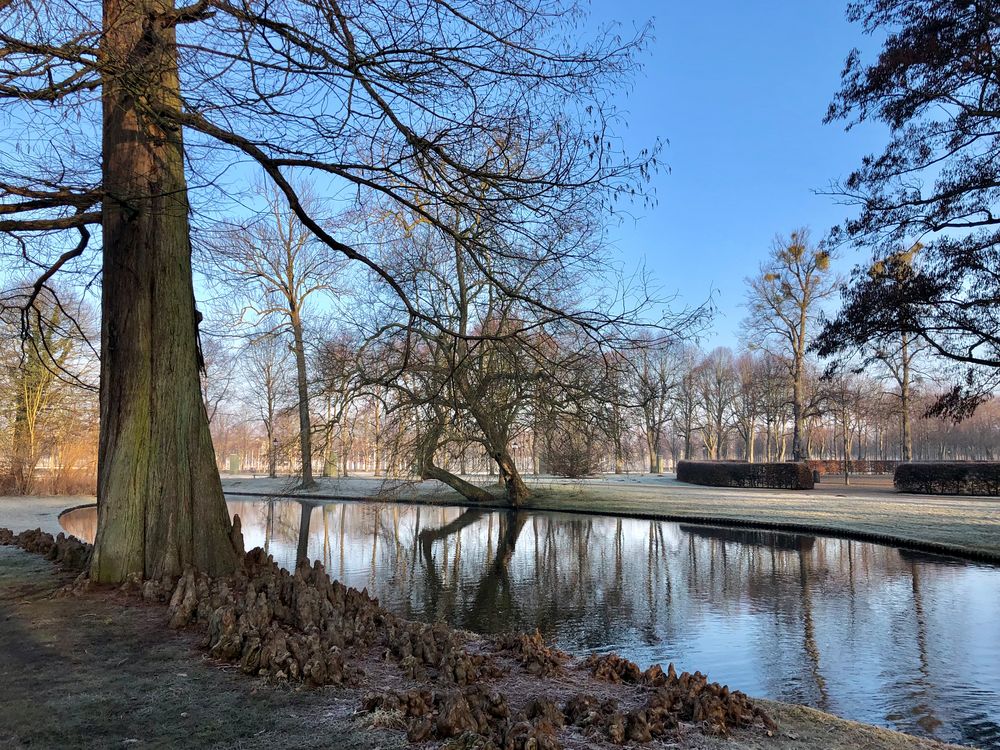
869, 632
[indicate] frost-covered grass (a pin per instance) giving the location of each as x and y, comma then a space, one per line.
968, 525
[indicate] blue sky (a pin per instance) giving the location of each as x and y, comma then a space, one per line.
739, 90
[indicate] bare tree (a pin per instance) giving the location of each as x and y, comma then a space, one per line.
686, 402
747, 404
933, 85
38, 399
845, 336
481, 376
783, 301
339, 387
277, 268
656, 382
844, 395
265, 371
419, 103
218, 368
716, 387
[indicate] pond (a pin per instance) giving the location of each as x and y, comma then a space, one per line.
873, 633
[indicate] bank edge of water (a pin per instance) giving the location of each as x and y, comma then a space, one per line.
97, 634
801, 726
566, 505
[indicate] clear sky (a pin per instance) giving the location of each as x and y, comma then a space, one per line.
739, 90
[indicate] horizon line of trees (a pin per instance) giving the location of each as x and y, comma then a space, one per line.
483, 385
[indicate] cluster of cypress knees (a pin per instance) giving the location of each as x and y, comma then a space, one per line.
307, 628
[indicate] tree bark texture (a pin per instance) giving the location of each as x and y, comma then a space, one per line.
302, 386
160, 501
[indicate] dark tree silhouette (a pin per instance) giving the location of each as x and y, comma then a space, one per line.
878, 321
936, 84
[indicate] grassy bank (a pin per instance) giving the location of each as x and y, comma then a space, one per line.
868, 509
966, 526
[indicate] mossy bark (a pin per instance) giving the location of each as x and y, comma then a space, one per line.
160, 501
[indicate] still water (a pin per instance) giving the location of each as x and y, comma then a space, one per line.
869, 632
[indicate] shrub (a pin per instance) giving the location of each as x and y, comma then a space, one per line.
824, 466
572, 453
949, 478
778, 476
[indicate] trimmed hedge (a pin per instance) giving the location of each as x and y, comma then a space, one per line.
949, 478
825, 467
776, 476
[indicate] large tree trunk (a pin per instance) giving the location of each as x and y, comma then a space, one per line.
468, 490
302, 385
429, 470
160, 501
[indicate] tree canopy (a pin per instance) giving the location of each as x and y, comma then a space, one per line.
495, 109
936, 84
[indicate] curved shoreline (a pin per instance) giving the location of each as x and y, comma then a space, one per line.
590, 499
231, 709
566, 506
804, 720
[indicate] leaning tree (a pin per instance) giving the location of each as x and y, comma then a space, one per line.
126, 119
524, 326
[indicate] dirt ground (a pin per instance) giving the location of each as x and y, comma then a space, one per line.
103, 671
99, 672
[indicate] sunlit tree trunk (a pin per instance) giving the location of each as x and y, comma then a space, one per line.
798, 408
160, 501
302, 386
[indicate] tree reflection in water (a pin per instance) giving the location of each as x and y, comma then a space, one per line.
866, 631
